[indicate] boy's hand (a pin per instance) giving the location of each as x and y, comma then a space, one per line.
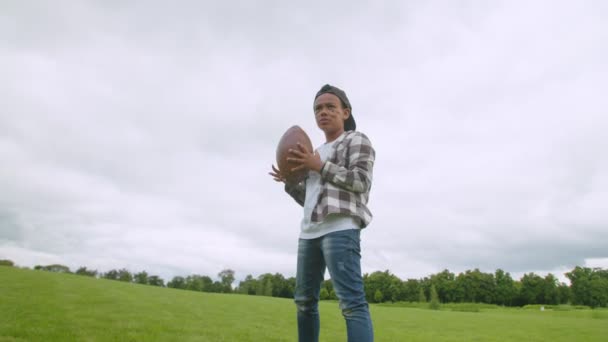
305, 159
276, 175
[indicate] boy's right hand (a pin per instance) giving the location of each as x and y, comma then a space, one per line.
276, 175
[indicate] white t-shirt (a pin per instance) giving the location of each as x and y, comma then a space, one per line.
333, 222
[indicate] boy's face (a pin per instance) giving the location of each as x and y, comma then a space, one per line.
329, 113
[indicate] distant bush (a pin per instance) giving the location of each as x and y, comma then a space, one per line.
599, 314
86, 272
53, 268
570, 307
333, 295
460, 307
6, 262
581, 307
405, 304
421, 296
538, 306
563, 308
323, 294
467, 308
480, 306
434, 304
378, 296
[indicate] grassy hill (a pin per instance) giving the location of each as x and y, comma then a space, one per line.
45, 306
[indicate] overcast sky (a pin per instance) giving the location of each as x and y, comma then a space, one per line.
140, 134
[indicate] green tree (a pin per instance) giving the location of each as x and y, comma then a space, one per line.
395, 290
197, 282
248, 285
434, 304
505, 288
323, 294
6, 262
155, 280
421, 295
532, 289
226, 278
57, 268
259, 289
268, 288
518, 300
207, 283
281, 287
194, 282
177, 282
550, 293
383, 281
599, 292
410, 290
487, 288
111, 274
563, 292
378, 296
125, 275
580, 280
328, 285
468, 286
216, 287
265, 286
142, 278
291, 283
85, 272
474, 286
445, 284
589, 286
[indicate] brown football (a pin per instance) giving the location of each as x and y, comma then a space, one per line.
288, 141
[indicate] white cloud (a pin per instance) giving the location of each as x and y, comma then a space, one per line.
140, 136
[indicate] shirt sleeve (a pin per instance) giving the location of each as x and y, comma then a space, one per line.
358, 176
297, 192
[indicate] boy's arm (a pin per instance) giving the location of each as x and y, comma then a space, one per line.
358, 176
297, 191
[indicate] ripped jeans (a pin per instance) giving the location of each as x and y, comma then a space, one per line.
340, 253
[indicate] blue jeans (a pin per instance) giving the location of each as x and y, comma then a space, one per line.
340, 252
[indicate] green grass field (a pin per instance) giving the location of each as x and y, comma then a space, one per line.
44, 306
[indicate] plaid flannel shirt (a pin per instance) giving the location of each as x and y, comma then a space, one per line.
346, 180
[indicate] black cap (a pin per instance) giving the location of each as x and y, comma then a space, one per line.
349, 124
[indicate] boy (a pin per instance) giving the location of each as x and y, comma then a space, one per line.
334, 196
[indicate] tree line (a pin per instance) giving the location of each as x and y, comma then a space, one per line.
588, 286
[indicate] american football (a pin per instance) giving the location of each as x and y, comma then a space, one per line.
288, 141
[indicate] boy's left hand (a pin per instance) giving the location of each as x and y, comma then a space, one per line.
305, 158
